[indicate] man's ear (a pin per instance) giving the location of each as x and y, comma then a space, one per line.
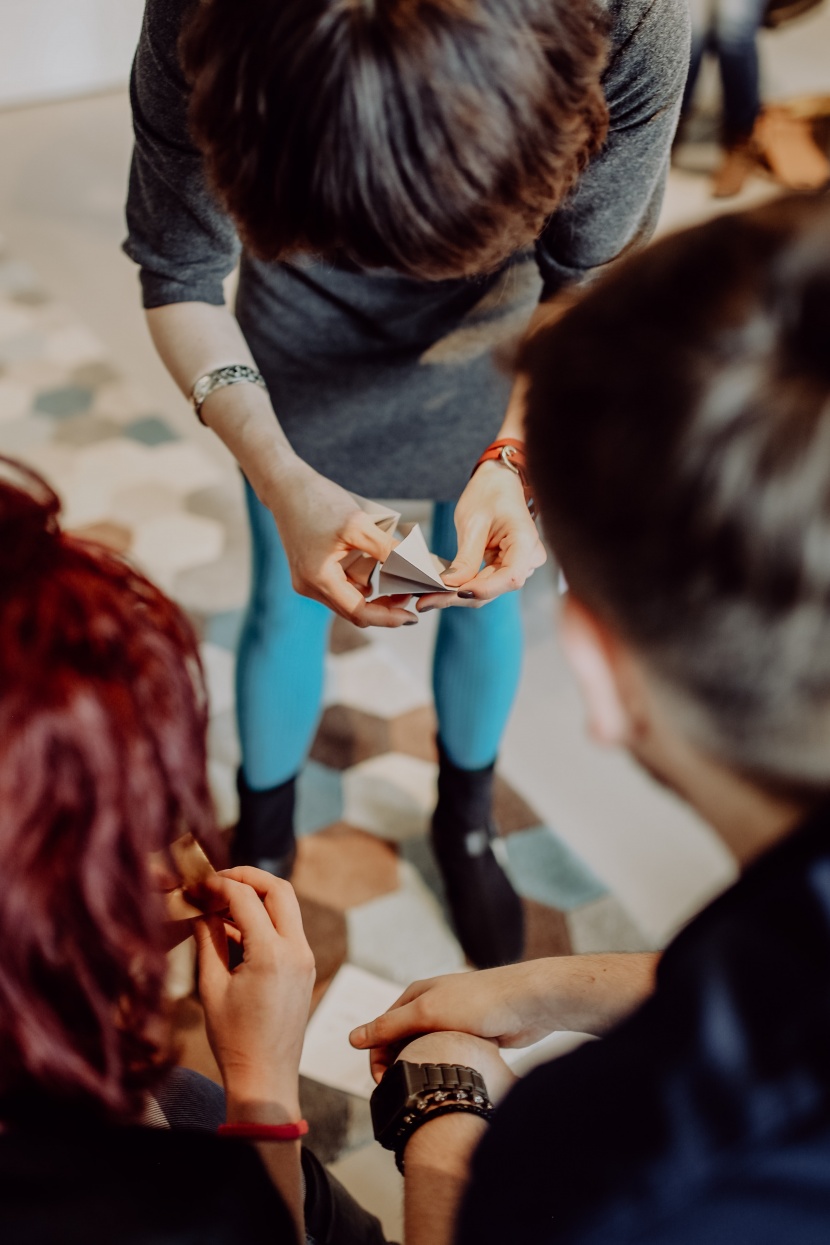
593, 652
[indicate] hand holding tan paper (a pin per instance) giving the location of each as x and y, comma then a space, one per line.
193, 867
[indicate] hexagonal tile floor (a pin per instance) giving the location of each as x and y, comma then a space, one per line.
369, 888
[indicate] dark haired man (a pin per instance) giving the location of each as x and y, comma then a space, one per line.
407, 176
689, 505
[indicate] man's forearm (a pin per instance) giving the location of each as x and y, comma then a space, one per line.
592, 993
193, 339
437, 1162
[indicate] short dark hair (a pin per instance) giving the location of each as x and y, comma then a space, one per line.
433, 137
679, 437
103, 716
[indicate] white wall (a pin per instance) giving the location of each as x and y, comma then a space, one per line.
55, 48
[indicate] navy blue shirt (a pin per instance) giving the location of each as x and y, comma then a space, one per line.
705, 1117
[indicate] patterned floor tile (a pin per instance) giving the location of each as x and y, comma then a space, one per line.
94, 375
223, 502
81, 430
223, 740
74, 346
65, 402
183, 466
546, 931
342, 868
173, 543
325, 929
15, 321
113, 535
142, 502
391, 795
510, 810
222, 780
346, 637
319, 798
375, 681
224, 629
347, 736
218, 665
15, 400
413, 733
544, 869
403, 936
150, 430
17, 436
221, 585
604, 925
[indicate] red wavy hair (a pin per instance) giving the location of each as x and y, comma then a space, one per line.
102, 761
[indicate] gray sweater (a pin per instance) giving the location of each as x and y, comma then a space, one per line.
368, 370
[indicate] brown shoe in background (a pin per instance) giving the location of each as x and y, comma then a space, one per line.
788, 148
739, 161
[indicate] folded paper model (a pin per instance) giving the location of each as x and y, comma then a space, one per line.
410, 568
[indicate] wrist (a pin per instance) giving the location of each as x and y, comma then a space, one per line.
445, 1143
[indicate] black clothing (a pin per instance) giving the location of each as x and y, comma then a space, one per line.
705, 1117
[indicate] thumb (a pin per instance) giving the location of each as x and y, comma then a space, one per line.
361, 533
467, 562
389, 1028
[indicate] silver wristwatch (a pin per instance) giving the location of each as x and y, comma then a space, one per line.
233, 374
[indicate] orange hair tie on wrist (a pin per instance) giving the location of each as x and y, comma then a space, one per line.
511, 454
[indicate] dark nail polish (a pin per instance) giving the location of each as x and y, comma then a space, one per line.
467, 596
426, 608
413, 622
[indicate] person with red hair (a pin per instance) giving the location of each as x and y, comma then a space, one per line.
102, 766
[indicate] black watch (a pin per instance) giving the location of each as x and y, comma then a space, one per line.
409, 1093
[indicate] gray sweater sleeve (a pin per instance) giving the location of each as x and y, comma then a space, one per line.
183, 241
617, 202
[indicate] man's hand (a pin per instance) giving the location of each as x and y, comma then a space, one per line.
321, 525
495, 528
256, 1013
505, 1005
515, 1005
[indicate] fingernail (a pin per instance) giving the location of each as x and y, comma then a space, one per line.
425, 609
413, 622
358, 1036
466, 596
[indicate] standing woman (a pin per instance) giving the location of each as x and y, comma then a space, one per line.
405, 178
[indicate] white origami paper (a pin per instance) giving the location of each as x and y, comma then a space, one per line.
410, 568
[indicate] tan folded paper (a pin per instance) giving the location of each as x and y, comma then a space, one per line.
192, 867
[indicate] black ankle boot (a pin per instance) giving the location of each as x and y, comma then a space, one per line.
264, 834
486, 911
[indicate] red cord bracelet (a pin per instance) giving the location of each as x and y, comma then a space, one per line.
265, 1132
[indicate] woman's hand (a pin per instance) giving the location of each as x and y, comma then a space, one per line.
495, 528
256, 1013
321, 526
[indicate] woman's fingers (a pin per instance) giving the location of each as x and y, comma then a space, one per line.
247, 912
278, 896
212, 948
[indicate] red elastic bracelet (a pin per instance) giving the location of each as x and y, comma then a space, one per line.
265, 1132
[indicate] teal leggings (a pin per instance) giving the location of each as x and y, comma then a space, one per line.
281, 662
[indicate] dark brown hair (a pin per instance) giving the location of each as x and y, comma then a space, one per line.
433, 137
102, 761
679, 437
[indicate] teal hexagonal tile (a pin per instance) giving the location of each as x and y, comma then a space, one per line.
545, 869
150, 430
63, 402
319, 798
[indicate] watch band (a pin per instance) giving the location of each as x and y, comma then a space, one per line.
409, 1094
511, 454
232, 374
433, 1113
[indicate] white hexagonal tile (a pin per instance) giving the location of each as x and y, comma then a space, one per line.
392, 795
219, 665
183, 467
173, 542
374, 680
15, 400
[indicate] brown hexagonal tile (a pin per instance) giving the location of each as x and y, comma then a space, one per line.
414, 733
325, 930
341, 867
114, 535
546, 931
345, 637
347, 736
510, 810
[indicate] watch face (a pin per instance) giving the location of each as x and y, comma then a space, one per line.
388, 1101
